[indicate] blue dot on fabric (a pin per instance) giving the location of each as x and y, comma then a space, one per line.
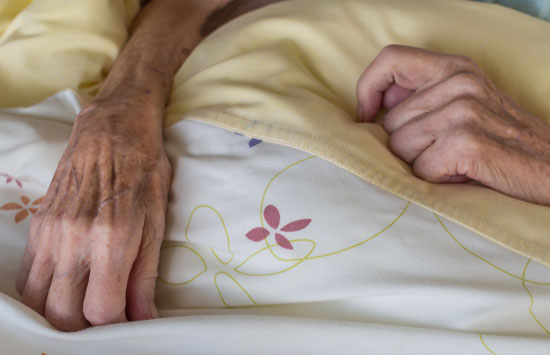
253, 142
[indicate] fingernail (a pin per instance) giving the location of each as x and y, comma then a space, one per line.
360, 113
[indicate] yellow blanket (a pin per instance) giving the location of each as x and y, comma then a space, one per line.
50, 45
287, 74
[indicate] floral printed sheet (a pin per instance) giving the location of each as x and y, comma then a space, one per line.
270, 250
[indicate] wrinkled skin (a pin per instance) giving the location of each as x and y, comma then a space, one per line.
452, 124
94, 243
93, 249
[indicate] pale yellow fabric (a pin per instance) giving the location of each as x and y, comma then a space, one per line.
287, 74
50, 45
8, 10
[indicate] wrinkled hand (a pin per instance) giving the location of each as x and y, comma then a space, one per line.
452, 124
93, 249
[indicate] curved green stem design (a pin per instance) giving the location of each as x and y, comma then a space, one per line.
485, 345
298, 260
531, 297
224, 229
268, 246
237, 283
192, 279
485, 260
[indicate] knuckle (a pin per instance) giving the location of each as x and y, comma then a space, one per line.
63, 317
395, 142
390, 122
43, 262
469, 83
468, 144
101, 313
391, 50
47, 226
464, 109
468, 149
465, 62
36, 221
404, 147
166, 168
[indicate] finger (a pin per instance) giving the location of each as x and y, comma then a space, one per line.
64, 306
141, 285
464, 84
394, 95
410, 68
456, 158
37, 284
418, 134
117, 235
28, 255
410, 141
140, 294
105, 298
25, 269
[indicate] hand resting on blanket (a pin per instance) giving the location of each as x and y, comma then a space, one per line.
452, 124
93, 249
91, 255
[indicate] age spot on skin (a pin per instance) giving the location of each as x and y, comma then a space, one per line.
185, 52
155, 70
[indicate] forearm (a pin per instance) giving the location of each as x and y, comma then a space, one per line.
162, 37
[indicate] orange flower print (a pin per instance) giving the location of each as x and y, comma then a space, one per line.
23, 209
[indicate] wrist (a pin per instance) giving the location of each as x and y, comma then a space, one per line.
156, 49
128, 119
138, 84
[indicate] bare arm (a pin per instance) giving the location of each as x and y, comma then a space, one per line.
93, 248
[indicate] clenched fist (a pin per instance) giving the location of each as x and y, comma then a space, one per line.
93, 249
452, 124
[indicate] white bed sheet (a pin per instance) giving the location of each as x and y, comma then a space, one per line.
368, 272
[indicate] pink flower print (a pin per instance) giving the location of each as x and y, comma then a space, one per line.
257, 234
273, 218
23, 209
9, 178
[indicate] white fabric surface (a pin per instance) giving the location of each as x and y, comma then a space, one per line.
368, 274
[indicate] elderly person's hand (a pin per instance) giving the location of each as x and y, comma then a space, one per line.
452, 124
94, 244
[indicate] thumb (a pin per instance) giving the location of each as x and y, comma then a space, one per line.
397, 72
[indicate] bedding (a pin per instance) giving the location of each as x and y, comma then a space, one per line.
301, 44
303, 93
269, 249
357, 269
538, 8
300, 96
